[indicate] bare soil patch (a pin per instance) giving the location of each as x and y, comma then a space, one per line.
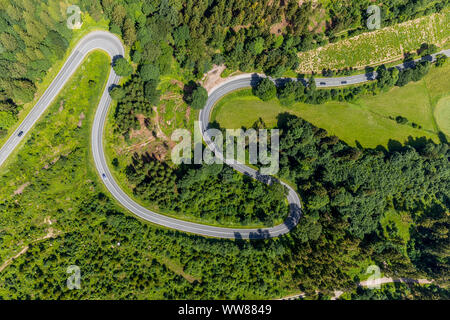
212, 78
21, 188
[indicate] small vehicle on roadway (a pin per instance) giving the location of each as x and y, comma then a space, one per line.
343, 82
20, 134
103, 175
322, 83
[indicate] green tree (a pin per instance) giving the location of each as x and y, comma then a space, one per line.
181, 35
117, 93
440, 60
152, 94
129, 32
122, 67
198, 98
149, 72
256, 46
265, 90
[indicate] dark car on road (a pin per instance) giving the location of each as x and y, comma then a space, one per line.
322, 83
343, 82
20, 134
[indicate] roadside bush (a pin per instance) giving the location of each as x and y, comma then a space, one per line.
265, 90
440, 60
198, 98
122, 67
401, 120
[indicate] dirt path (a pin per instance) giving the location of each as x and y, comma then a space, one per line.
50, 234
366, 283
21, 188
390, 280
212, 78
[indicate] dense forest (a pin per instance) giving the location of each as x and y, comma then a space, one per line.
33, 36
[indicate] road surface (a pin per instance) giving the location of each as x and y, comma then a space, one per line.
101, 40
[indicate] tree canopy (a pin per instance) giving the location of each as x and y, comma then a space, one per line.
122, 67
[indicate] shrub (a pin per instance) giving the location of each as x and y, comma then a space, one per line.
122, 67
151, 92
265, 90
149, 72
198, 98
401, 120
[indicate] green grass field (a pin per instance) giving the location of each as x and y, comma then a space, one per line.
442, 115
368, 120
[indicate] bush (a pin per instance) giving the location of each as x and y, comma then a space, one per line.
265, 90
198, 98
117, 93
122, 67
401, 120
151, 93
427, 49
440, 60
3, 132
149, 72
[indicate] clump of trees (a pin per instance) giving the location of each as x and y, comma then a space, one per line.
198, 97
340, 72
298, 91
133, 98
226, 197
413, 74
32, 38
401, 291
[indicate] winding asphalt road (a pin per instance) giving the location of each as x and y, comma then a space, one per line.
113, 47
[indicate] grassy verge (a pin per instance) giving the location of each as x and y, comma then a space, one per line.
368, 121
442, 115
